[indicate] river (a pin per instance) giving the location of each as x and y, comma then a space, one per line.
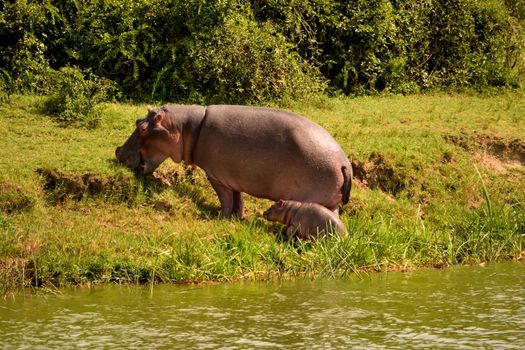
455, 308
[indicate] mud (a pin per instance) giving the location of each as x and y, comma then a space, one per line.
377, 172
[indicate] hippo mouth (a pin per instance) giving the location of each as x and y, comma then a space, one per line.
141, 167
135, 163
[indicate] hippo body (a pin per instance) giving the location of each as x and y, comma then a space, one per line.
305, 220
267, 153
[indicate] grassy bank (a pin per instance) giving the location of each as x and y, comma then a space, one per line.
439, 181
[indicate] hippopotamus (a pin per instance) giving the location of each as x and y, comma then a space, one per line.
265, 152
304, 220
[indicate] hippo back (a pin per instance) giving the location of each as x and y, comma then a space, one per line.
270, 153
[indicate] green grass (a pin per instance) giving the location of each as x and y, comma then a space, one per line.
434, 192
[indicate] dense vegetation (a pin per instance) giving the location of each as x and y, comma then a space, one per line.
260, 50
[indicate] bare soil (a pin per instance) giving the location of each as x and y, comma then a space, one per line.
491, 152
378, 172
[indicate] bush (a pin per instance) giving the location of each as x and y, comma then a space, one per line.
25, 29
405, 45
243, 61
5, 85
246, 52
75, 97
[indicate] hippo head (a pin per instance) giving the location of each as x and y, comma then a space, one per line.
150, 143
276, 211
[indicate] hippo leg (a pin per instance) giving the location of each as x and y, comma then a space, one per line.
238, 204
225, 197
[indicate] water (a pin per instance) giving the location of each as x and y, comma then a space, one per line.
456, 308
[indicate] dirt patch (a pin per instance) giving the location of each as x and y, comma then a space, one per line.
491, 152
59, 185
120, 188
512, 152
495, 164
377, 172
13, 199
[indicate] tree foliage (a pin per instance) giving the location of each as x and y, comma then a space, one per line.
260, 50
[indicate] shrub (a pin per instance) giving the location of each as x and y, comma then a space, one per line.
405, 45
5, 85
239, 51
25, 31
75, 97
242, 61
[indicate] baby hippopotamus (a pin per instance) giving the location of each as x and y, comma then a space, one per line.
305, 220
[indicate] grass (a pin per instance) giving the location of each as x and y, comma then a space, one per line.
440, 182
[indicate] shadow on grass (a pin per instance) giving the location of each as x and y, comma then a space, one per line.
187, 189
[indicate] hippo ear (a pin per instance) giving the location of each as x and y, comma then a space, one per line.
150, 109
280, 203
157, 119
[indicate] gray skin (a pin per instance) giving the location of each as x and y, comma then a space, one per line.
304, 220
267, 153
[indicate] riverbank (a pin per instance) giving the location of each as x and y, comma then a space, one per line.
439, 181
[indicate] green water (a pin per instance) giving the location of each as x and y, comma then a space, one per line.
456, 308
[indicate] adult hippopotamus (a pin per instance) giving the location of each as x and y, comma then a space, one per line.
267, 153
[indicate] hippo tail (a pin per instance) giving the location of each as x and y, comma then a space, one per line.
347, 182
